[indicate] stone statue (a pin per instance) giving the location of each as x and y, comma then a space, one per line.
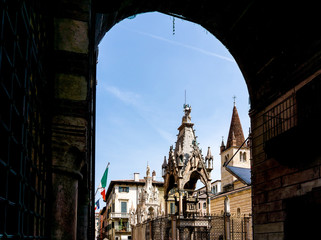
147, 171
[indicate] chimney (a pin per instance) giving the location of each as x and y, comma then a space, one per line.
136, 177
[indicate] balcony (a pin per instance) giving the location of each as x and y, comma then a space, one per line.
123, 229
119, 215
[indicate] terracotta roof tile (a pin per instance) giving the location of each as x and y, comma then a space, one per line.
236, 131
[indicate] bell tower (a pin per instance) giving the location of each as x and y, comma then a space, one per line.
235, 147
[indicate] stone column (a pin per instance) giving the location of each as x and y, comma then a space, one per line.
247, 228
180, 203
208, 199
208, 206
166, 205
227, 226
181, 233
82, 213
70, 119
174, 227
68, 155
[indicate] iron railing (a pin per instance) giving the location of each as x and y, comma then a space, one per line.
280, 118
200, 228
119, 215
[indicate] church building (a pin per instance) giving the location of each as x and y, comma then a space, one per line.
235, 197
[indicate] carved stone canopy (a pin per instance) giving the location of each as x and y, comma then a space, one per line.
186, 164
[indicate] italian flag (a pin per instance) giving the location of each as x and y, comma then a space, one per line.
103, 183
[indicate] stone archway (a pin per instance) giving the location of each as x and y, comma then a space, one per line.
277, 57
276, 45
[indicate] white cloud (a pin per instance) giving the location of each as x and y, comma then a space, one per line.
135, 100
166, 135
126, 97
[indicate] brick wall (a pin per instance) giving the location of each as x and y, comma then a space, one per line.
276, 181
240, 198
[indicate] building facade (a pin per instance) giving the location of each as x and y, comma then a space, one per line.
150, 201
201, 195
124, 205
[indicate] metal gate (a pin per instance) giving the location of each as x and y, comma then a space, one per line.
23, 162
161, 228
238, 231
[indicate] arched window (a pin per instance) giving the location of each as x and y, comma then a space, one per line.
241, 156
238, 212
244, 156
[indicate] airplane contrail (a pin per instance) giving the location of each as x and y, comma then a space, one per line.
182, 45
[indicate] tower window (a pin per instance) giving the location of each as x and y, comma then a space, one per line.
238, 212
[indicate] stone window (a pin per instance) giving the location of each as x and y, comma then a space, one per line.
123, 207
123, 189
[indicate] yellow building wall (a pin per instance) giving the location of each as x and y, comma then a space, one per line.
238, 184
241, 199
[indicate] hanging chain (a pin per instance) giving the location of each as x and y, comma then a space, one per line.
173, 25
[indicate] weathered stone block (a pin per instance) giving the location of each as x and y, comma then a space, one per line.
260, 218
276, 236
278, 216
261, 236
268, 207
268, 185
301, 176
71, 35
283, 193
269, 228
70, 87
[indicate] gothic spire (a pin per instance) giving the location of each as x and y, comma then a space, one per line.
165, 162
209, 154
235, 135
222, 148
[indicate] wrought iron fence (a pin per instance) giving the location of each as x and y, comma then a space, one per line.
196, 228
23, 162
237, 229
161, 228
217, 231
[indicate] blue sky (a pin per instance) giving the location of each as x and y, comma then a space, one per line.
143, 71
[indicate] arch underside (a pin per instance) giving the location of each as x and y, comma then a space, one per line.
192, 180
268, 50
169, 183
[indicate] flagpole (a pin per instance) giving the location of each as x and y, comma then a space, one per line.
104, 172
